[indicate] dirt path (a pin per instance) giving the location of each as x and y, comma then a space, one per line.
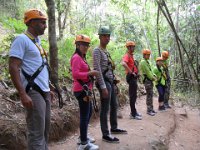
187, 133
166, 130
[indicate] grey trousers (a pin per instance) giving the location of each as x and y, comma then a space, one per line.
106, 104
38, 121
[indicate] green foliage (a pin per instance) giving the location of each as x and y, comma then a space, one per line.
13, 24
66, 49
45, 44
6, 42
122, 4
198, 8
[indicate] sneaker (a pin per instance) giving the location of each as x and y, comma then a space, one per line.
110, 139
151, 113
167, 106
88, 146
154, 111
118, 131
139, 114
90, 139
136, 117
161, 108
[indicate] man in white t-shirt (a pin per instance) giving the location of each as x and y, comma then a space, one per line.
26, 56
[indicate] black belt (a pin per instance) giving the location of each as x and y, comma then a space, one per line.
38, 89
146, 78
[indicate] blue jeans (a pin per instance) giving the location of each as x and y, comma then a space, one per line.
161, 92
106, 104
38, 121
85, 114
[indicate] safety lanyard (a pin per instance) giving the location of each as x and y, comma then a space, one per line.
41, 50
110, 62
131, 57
43, 53
148, 64
91, 79
44, 56
161, 72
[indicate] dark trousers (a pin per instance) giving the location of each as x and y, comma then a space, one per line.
133, 94
85, 115
161, 92
167, 92
106, 104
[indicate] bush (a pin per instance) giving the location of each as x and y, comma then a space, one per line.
11, 23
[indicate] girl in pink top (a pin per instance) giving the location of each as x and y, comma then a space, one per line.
81, 74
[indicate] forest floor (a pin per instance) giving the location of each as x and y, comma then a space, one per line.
175, 129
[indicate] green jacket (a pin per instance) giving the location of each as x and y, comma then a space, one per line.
160, 75
145, 69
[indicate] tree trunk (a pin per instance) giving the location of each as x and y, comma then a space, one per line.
63, 9
52, 40
158, 40
161, 4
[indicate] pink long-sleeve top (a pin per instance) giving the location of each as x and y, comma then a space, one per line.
80, 71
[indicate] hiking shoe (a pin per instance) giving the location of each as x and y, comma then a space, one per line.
118, 131
161, 108
154, 111
88, 146
151, 113
139, 114
90, 139
136, 117
167, 106
110, 139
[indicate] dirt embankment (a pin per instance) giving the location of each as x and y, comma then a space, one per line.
63, 121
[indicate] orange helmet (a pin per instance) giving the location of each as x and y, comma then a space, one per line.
33, 14
159, 58
130, 43
146, 51
165, 54
82, 38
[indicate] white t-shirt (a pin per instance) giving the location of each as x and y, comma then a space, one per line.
24, 49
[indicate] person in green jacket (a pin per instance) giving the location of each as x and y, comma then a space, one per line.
160, 82
165, 56
147, 77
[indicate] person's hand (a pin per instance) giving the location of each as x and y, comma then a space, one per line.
93, 73
104, 93
52, 94
134, 75
26, 101
138, 75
